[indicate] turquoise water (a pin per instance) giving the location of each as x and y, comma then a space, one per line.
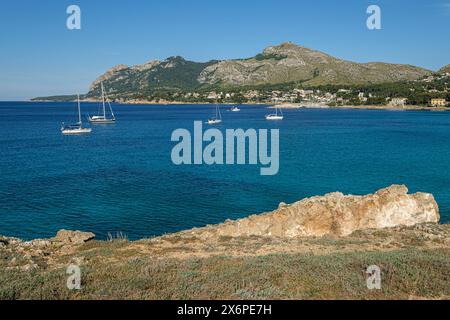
121, 178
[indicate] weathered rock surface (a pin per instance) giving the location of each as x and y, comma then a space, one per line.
108, 75
75, 237
445, 69
320, 225
334, 214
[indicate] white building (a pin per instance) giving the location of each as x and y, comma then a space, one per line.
398, 102
213, 96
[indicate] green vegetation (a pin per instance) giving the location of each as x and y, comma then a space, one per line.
177, 79
162, 81
417, 92
162, 87
67, 98
265, 56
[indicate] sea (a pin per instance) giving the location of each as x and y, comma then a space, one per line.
121, 178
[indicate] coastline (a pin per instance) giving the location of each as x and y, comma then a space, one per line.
361, 107
270, 105
211, 263
153, 102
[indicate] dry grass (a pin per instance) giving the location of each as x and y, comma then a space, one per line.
415, 264
405, 274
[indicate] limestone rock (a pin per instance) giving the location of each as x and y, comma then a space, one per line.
108, 75
335, 214
445, 69
75, 237
3, 241
282, 205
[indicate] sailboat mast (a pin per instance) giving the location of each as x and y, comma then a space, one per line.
218, 115
79, 109
103, 100
110, 108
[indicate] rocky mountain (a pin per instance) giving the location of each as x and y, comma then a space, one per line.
285, 63
174, 73
289, 62
445, 69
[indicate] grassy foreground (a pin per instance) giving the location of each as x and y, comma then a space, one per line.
171, 268
406, 274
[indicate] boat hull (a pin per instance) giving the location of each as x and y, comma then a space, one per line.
213, 122
102, 121
76, 131
273, 117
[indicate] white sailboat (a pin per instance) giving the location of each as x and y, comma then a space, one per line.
217, 119
75, 128
102, 118
235, 109
276, 115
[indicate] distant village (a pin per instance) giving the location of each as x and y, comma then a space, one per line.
433, 91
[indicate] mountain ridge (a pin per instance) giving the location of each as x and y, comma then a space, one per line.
289, 62
279, 64
282, 63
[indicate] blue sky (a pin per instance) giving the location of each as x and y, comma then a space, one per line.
40, 56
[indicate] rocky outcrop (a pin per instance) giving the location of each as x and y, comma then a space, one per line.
146, 66
124, 82
40, 253
109, 74
75, 237
445, 69
334, 214
291, 229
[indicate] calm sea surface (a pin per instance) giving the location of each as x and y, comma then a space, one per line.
121, 178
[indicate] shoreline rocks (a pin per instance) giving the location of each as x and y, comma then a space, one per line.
334, 214
386, 220
75, 237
